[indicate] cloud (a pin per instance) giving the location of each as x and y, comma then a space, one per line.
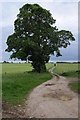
9, 13
65, 13
39, 0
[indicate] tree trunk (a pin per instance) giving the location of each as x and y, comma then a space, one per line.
39, 67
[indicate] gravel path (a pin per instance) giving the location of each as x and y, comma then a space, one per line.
52, 99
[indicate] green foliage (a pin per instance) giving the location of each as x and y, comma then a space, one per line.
35, 38
18, 81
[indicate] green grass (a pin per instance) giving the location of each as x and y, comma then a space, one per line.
16, 68
67, 69
75, 86
18, 81
49, 65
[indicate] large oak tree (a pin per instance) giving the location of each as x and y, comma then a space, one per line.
35, 37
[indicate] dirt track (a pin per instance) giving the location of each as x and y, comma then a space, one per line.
52, 99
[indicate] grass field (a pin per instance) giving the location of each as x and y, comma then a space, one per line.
18, 81
67, 69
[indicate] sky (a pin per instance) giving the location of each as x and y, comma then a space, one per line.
65, 13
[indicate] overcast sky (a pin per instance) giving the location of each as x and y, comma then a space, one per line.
65, 13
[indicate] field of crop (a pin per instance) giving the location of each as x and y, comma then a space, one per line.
18, 81
67, 69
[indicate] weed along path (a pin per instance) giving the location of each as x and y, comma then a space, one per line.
52, 99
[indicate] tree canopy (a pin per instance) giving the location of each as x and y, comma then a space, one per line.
35, 37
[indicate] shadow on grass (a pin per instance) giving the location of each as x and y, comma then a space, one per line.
75, 86
71, 74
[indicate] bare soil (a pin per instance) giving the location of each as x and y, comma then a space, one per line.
12, 111
52, 99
